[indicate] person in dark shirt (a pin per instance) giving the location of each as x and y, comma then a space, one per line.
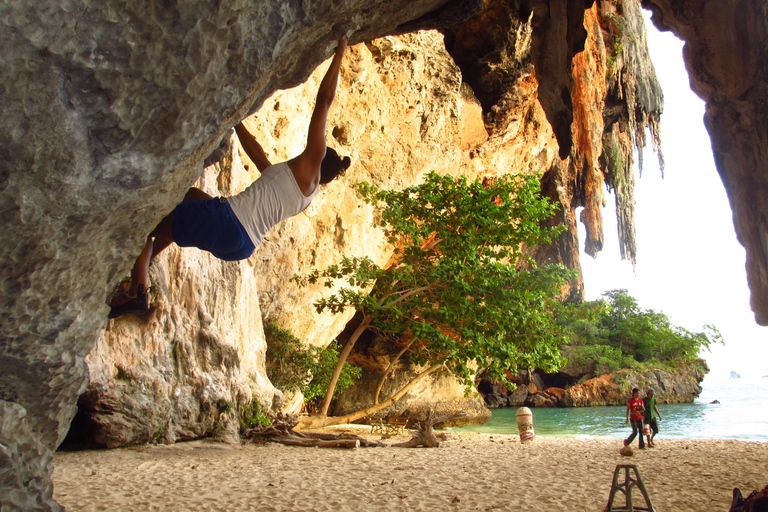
649, 416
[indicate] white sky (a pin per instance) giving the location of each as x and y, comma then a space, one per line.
689, 264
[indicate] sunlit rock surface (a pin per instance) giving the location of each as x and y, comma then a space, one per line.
682, 386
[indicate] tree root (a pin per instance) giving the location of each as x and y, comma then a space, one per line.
424, 435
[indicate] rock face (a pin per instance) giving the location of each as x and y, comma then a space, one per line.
440, 394
679, 387
110, 109
537, 389
177, 372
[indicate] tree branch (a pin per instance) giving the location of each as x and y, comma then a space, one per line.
408, 294
390, 368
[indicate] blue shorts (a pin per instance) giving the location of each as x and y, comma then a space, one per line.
212, 226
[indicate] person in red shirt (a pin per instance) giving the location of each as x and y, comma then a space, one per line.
635, 412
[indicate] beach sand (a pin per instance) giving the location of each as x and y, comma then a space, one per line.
467, 472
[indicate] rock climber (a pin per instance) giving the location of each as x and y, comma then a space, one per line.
230, 228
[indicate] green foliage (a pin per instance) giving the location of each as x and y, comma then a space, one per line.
463, 291
606, 359
616, 333
294, 367
322, 370
289, 363
251, 416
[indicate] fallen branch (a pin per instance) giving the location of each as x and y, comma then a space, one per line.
281, 431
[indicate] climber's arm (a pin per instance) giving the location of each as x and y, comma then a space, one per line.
252, 148
315, 150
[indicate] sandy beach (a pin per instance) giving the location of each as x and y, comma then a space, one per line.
467, 472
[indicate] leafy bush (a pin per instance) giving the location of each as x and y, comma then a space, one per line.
322, 370
289, 363
606, 359
251, 416
294, 367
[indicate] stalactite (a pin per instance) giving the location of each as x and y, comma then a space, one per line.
634, 103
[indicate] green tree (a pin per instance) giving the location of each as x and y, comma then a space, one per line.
463, 292
618, 333
298, 368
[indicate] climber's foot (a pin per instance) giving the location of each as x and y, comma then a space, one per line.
127, 305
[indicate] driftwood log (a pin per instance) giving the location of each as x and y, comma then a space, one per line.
281, 431
424, 433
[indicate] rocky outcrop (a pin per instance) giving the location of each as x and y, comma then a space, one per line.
682, 386
537, 389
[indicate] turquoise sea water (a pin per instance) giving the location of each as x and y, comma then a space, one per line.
741, 414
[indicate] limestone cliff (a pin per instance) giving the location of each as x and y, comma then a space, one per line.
109, 110
615, 97
175, 373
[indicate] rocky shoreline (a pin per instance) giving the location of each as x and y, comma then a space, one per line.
569, 388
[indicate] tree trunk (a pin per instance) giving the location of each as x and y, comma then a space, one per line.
299, 441
281, 431
323, 421
390, 368
340, 364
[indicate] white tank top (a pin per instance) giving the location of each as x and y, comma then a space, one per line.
272, 198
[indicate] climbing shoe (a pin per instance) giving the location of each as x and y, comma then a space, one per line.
136, 306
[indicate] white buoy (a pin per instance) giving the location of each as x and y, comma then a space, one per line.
525, 424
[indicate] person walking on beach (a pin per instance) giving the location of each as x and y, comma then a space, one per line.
649, 416
635, 415
231, 228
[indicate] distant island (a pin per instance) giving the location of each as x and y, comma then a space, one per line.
612, 345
